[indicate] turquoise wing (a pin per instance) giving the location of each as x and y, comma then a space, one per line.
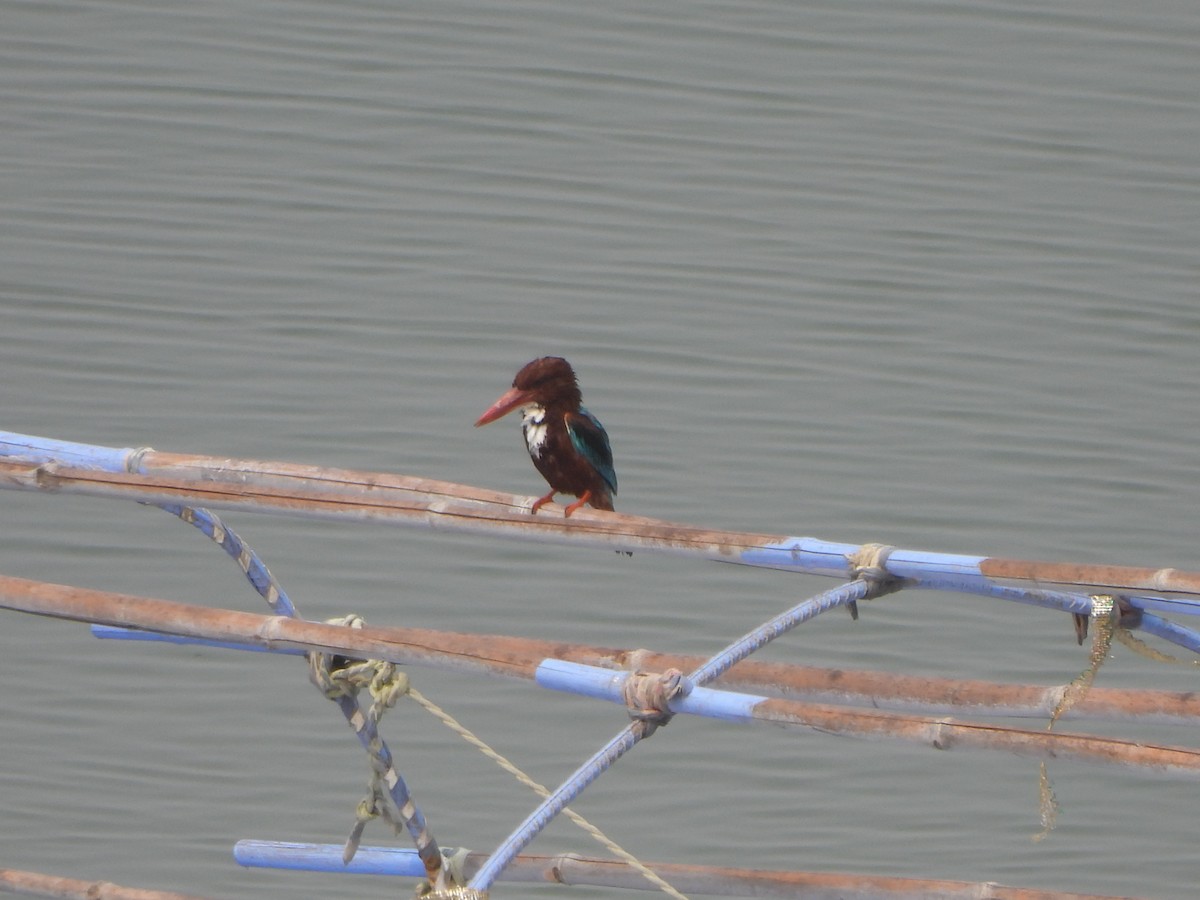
591, 440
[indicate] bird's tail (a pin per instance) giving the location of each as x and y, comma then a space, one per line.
602, 500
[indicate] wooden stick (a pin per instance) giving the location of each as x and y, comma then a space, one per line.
510, 657
344, 494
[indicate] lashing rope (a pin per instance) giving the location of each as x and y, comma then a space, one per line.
648, 696
341, 680
869, 564
455, 892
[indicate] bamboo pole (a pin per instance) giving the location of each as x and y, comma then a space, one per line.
572, 869
467, 653
146, 475
789, 681
939, 733
35, 884
518, 658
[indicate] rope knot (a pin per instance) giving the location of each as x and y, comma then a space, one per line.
648, 695
451, 881
341, 676
869, 564
457, 892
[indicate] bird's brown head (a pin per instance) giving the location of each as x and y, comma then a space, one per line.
546, 381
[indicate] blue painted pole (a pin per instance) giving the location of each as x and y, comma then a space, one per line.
605, 684
959, 573
114, 633
1179, 635
86, 456
1006, 700
251, 563
781, 624
328, 858
1060, 600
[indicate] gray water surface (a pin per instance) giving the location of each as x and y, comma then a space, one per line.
919, 273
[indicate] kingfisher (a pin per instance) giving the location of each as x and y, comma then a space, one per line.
567, 444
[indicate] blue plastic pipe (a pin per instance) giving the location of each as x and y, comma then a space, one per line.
87, 456
328, 858
605, 684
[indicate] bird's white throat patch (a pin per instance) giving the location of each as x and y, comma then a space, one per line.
533, 425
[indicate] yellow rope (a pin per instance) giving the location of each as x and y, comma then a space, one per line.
454, 725
1105, 618
455, 892
1141, 648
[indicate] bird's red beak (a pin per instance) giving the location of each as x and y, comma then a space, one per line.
508, 401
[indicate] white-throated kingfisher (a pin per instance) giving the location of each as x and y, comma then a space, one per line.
567, 444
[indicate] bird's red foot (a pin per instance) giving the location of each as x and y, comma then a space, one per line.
587, 495
541, 501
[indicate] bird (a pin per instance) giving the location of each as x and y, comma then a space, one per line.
567, 444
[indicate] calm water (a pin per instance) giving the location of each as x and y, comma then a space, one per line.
920, 273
